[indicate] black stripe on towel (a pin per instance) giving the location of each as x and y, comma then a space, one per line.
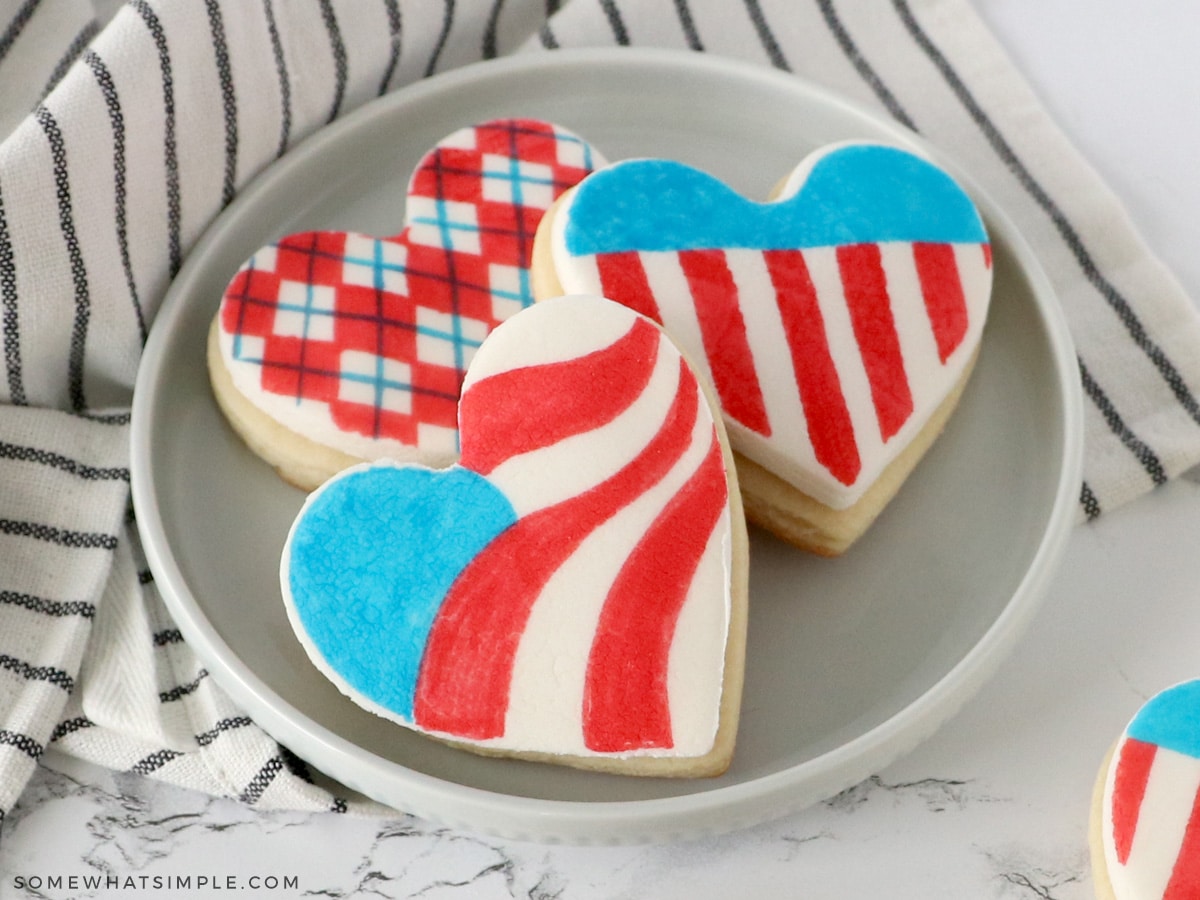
154, 761
220, 728
64, 537
864, 69
167, 637
16, 25
296, 765
117, 122
688, 24
1091, 506
70, 726
170, 151
766, 37
447, 25
108, 418
490, 28
47, 674
77, 45
11, 319
395, 33
66, 224
1144, 455
216, 25
56, 608
182, 690
22, 742
615, 22
52, 460
285, 86
337, 47
262, 780
545, 34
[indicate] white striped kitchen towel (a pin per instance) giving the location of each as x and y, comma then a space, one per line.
125, 129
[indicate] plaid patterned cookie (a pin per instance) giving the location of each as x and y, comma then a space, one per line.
333, 347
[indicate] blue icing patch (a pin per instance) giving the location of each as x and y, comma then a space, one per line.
856, 194
372, 558
1171, 720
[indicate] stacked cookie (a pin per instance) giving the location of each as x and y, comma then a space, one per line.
838, 322
526, 532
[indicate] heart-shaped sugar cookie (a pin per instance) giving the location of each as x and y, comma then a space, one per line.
335, 347
573, 589
1145, 830
838, 322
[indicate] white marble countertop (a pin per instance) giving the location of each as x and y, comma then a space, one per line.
995, 805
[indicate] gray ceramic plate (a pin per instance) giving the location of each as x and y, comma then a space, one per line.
851, 662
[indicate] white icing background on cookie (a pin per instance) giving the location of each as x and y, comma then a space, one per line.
993, 807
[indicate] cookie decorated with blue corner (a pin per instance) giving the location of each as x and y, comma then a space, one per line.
1145, 830
839, 321
573, 589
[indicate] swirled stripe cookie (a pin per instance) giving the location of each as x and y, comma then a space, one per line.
573, 589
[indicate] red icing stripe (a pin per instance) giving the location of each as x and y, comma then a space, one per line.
865, 286
828, 419
626, 705
723, 330
1129, 788
941, 287
537, 406
467, 667
987, 256
1185, 877
623, 278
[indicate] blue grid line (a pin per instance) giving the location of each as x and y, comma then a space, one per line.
378, 381
377, 263
561, 138
419, 329
516, 179
444, 224
424, 330
378, 281
405, 270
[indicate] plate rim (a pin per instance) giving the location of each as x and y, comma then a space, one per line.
660, 818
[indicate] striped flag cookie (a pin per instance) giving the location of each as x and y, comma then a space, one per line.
1146, 814
333, 347
572, 590
838, 322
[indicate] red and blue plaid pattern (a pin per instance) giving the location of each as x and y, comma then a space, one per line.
380, 330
